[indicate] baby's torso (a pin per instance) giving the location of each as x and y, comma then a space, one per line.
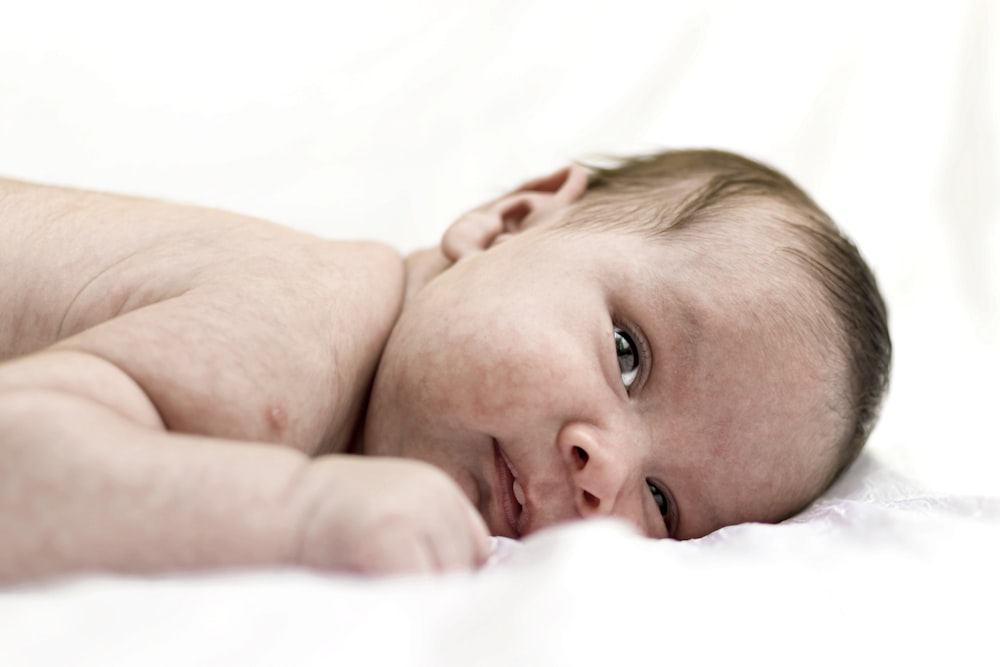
234, 327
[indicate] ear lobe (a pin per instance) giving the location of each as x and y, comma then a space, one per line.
537, 202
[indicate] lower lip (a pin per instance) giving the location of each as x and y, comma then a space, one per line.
505, 492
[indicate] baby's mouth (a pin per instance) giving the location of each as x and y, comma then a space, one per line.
509, 491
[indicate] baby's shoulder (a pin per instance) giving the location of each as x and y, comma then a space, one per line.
72, 259
234, 326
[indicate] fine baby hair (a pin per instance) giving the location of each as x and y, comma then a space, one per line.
705, 195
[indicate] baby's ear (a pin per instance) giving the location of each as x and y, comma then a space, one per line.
535, 203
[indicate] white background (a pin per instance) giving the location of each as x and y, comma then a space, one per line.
386, 119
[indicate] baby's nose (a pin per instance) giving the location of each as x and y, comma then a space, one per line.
597, 472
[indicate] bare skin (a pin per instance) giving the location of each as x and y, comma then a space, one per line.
677, 384
153, 354
184, 389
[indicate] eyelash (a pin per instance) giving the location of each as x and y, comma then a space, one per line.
641, 349
669, 516
643, 361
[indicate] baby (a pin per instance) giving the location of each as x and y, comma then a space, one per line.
684, 341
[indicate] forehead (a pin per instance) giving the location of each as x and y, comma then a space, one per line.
742, 371
744, 275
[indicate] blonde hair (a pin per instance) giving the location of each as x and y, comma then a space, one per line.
700, 192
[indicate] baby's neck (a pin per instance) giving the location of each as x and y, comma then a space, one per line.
421, 267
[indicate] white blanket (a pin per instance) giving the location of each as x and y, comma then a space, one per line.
878, 572
386, 119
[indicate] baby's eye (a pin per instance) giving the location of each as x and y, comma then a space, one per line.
662, 503
628, 357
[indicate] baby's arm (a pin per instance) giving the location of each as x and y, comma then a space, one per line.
164, 346
91, 480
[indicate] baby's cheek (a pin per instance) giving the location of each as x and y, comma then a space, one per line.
492, 381
534, 383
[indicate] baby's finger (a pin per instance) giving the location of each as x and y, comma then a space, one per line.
406, 556
462, 541
479, 537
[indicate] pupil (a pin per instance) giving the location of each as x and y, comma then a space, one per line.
626, 353
658, 497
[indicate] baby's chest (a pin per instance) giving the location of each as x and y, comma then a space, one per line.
282, 351
272, 340
293, 347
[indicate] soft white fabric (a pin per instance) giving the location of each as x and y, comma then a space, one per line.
882, 573
388, 118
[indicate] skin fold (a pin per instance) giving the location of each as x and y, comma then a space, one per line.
184, 388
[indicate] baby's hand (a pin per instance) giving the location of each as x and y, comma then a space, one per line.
385, 515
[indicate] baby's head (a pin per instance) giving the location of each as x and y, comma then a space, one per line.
683, 340
718, 199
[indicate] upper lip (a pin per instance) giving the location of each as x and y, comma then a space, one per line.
509, 512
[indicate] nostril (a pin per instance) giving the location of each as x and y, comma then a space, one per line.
592, 501
580, 454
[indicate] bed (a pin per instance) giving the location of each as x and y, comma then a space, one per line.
389, 119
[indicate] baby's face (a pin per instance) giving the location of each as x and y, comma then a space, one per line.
566, 375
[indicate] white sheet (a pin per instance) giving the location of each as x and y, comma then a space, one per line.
879, 572
386, 119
